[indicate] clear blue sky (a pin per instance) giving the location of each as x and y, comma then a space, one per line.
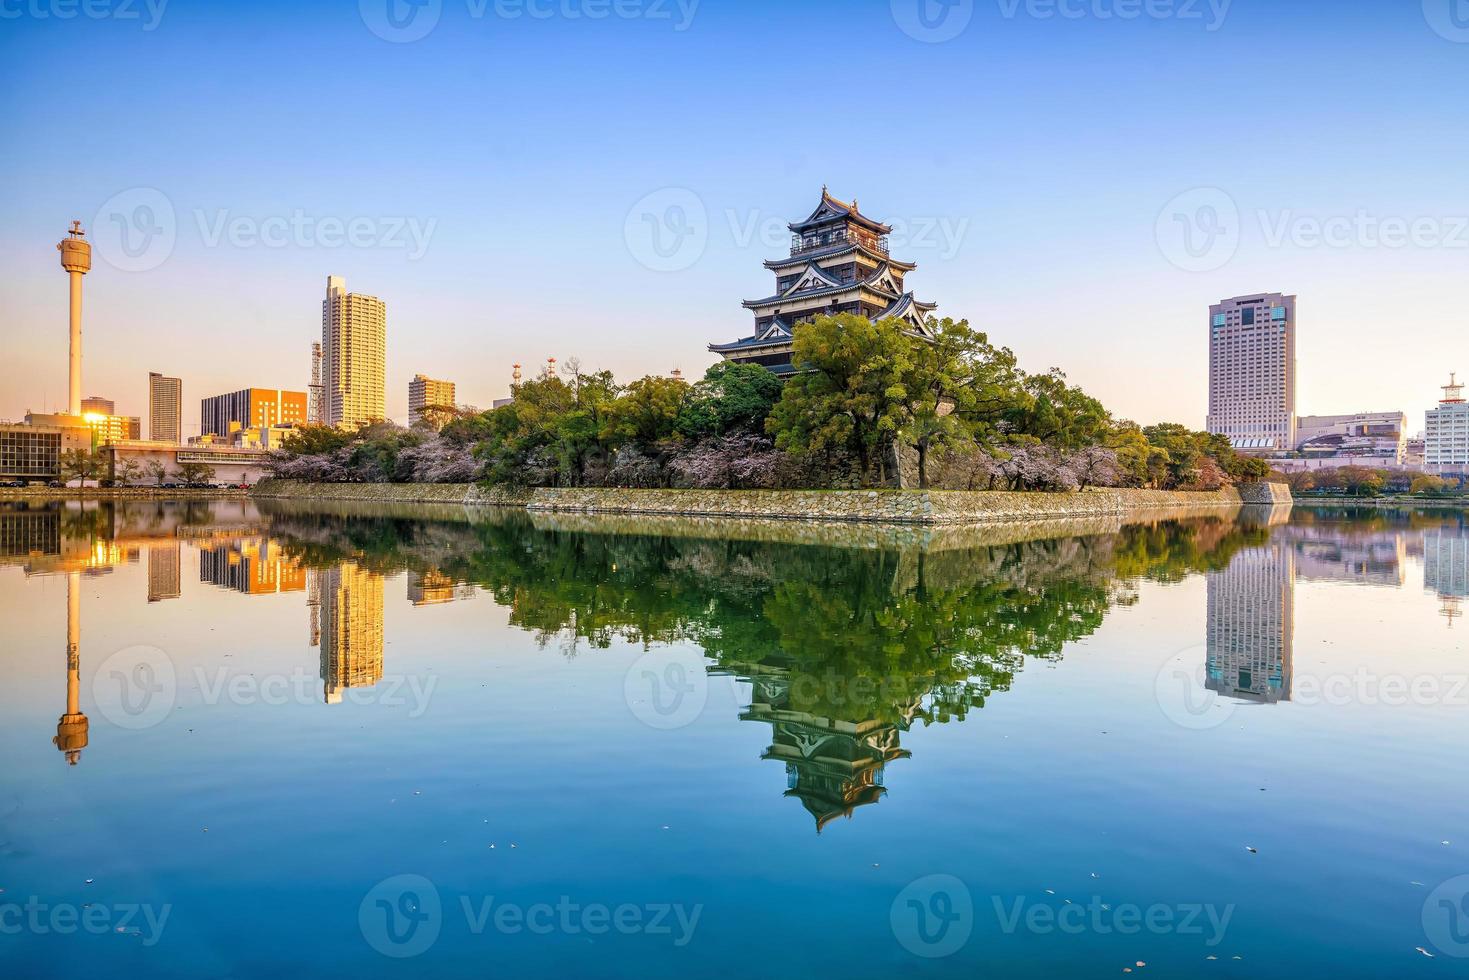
1045, 147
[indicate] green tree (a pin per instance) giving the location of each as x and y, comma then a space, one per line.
311, 440
647, 412
195, 472
731, 398
157, 471
80, 465
943, 384
850, 394
1429, 484
127, 472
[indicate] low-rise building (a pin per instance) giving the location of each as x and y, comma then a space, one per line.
251, 408
33, 452
231, 464
1370, 438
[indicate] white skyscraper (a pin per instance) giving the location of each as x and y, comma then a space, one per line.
1252, 371
354, 331
1446, 432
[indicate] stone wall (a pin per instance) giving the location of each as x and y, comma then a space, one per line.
877, 506
426, 493
116, 493
893, 506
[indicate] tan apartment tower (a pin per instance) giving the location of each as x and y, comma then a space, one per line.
76, 259
354, 331
425, 392
165, 408
1252, 372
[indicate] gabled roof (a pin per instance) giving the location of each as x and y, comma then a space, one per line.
846, 287
832, 251
831, 210
814, 277
910, 309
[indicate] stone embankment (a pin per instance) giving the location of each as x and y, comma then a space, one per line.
925, 507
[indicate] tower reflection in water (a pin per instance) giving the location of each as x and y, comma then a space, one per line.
1251, 624
351, 629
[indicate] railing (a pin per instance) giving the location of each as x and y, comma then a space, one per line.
811, 243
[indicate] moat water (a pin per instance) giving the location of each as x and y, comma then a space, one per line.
278, 740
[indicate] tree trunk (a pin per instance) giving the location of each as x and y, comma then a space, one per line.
922, 466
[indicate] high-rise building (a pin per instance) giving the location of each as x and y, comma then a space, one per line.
1251, 625
97, 405
351, 629
354, 331
165, 408
425, 392
251, 408
1252, 371
1446, 433
314, 391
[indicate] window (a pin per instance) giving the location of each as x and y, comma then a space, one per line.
1247, 316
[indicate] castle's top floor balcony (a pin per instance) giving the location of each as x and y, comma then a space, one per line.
813, 243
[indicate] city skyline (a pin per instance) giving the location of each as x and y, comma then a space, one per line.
1034, 240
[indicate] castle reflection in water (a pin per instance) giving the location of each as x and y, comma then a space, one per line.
962, 622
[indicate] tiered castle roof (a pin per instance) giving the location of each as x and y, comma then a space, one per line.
839, 263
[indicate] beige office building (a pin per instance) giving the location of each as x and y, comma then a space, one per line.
1252, 371
165, 408
425, 392
354, 332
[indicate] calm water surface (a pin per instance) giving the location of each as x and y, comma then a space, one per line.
244, 740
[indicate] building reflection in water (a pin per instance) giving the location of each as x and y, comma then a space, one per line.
433, 587
254, 566
351, 629
832, 766
1446, 568
1251, 624
1324, 554
165, 565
